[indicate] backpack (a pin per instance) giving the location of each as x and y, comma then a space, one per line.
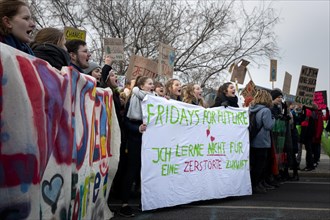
253, 128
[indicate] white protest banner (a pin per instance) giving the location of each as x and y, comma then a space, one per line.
306, 86
115, 48
190, 153
166, 60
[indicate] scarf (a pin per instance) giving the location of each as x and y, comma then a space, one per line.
14, 42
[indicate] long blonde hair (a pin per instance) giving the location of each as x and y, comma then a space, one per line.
49, 35
189, 95
263, 98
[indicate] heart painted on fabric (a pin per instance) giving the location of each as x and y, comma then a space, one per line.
208, 132
212, 138
51, 191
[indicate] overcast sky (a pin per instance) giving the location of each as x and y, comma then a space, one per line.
303, 38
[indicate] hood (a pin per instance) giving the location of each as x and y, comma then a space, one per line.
257, 108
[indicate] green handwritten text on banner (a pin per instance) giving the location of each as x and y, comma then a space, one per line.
190, 153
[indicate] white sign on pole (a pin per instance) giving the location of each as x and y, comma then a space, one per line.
190, 153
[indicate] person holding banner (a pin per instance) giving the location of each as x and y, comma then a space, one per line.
49, 45
79, 54
261, 144
173, 89
193, 95
16, 24
134, 128
226, 96
109, 79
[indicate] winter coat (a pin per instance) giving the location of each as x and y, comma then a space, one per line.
54, 55
135, 108
264, 120
133, 134
223, 100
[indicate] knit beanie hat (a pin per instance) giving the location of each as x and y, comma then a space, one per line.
92, 66
275, 93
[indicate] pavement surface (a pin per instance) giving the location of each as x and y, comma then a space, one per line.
306, 199
322, 170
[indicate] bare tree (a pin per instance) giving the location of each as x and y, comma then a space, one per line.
208, 35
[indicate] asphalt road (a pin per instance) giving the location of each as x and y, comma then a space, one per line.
307, 199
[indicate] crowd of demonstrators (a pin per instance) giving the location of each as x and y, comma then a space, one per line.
276, 148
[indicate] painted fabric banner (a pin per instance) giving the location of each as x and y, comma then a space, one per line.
60, 139
190, 153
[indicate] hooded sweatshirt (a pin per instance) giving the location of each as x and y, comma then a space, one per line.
264, 119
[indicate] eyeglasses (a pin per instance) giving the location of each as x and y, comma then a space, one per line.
85, 51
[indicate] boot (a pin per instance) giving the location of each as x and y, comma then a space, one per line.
295, 176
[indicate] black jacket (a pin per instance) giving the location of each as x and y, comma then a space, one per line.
223, 100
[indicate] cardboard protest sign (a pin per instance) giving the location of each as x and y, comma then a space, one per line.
239, 71
71, 33
249, 90
273, 70
60, 145
320, 98
166, 60
115, 48
306, 86
140, 66
201, 153
287, 83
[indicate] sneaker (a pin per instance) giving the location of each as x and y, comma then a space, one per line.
258, 190
308, 169
267, 186
126, 211
295, 177
273, 183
